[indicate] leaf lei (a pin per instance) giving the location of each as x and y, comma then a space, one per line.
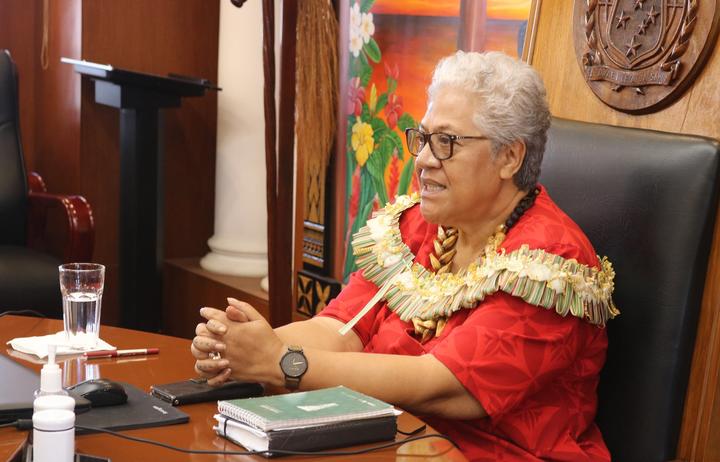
539, 278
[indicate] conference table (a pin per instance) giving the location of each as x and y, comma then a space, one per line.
173, 363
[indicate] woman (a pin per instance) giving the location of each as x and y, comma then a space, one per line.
483, 306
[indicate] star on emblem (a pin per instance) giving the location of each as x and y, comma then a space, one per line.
652, 14
638, 4
641, 28
632, 47
622, 20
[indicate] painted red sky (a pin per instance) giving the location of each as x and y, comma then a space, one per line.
496, 9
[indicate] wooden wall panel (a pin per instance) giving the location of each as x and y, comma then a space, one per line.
19, 32
49, 98
73, 142
100, 184
57, 105
160, 37
156, 37
693, 113
571, 98
196, 287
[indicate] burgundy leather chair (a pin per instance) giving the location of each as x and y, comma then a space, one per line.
28, 267
647, 200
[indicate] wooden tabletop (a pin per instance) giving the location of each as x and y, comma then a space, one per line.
174, 363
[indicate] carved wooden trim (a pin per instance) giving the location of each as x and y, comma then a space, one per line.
337, 223
702, 392
531, 31
639, 56
279, 164
314, 292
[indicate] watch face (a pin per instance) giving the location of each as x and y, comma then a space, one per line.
294, 364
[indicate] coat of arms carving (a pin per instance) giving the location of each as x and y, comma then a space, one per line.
640, 55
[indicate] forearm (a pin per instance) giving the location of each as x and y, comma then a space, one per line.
420, 384
252, 352
319, 332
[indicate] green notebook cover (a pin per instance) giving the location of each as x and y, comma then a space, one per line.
303, 409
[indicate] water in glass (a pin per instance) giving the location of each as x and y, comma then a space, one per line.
81, 285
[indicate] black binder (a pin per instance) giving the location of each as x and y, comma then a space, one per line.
317, 438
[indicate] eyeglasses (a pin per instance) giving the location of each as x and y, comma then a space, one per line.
441, 144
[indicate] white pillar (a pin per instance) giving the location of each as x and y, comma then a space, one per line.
239, 245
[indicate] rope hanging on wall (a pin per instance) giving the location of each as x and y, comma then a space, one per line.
316, 97
44, 58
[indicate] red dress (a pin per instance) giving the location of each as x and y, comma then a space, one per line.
534, 371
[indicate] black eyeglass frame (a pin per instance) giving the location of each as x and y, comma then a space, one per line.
426, 140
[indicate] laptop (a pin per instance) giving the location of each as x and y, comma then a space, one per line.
17, 388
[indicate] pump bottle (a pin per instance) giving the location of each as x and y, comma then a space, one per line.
53, 416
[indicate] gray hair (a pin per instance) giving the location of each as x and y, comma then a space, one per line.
512, 104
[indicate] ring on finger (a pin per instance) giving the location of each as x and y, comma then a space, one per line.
215, 355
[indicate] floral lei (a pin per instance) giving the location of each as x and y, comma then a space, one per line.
412, 291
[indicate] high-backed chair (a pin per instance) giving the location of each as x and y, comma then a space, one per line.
647, 200
28, 274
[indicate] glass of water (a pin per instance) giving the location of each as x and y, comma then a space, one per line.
81, 285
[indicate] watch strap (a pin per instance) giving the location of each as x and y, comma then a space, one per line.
293, 383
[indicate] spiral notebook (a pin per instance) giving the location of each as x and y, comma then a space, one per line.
314, 438
305, 409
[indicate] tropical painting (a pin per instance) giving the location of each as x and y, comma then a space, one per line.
391, 51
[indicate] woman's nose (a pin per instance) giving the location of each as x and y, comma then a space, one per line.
426, 159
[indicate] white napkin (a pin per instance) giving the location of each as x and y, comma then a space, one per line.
38, 346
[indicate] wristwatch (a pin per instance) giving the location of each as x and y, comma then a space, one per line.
293, 364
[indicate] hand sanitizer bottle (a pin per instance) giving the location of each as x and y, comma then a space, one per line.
53, 417
53, 436
50, 377
51, 394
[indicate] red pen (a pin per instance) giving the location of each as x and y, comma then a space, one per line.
117, 353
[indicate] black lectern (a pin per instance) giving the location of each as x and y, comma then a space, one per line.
139, 97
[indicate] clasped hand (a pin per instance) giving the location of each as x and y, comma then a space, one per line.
249, 348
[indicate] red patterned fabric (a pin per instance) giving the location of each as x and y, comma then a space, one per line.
533, 371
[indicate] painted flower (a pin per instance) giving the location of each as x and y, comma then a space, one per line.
372, 101
356, 42
356, 96
356, 38
367, 27
392, 71
355, 16
362, 141
415, 183
393, 110
393, 176
355, 195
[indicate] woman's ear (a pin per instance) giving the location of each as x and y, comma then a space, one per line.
511, 158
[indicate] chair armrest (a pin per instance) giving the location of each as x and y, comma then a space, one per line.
36, 182
80, 230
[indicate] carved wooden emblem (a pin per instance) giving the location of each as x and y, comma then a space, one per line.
640, 55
